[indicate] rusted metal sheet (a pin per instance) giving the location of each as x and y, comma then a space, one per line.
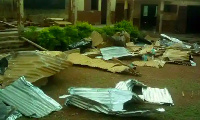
34, 65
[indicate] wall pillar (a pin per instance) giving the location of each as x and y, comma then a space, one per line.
162, 5
125, 9
74, 11
20, 15
108, 16
132, 11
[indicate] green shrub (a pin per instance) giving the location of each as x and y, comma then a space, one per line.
47, 40
59, 37
128, 27
84, 29
71, 34
109, 30
31, 33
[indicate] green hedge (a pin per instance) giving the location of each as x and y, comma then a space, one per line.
58, 38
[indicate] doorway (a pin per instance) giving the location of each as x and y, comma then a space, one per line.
149, 17
103, 11
193, 18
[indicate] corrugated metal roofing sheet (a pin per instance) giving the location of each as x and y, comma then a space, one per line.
28, 99
92, 105
116, 52
109, 97
152, 95
34, 65
111, 101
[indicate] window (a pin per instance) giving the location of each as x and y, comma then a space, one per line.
94, 4
170, 8
145, 12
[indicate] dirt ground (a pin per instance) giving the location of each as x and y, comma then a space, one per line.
176, 78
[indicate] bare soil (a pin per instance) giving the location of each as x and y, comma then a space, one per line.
177, 78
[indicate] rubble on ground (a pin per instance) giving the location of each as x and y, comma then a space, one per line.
83, 60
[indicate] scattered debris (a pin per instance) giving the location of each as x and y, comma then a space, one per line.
193, 63
97, 39
146, 49
176, 55
151, 63
152, 95
151, 39
83, 44
121, 38
168, 41
114, 52
28, 99
8, 112
3, 65
79, 59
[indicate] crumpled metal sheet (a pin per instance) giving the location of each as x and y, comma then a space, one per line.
109, 97
7, 113
28, 99
88, 104
109, 101
116, 52
168, 41
152, 95
156, 95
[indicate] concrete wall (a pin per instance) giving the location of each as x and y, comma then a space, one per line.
92, 16
172, 22
38, 15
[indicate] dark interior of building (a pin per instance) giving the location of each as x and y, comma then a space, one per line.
148, 17
193, 19
44, 4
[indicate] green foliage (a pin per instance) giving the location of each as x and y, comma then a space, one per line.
110, 31
57, 38
47, 40
31, 33
84, 29
128, 27
71, 34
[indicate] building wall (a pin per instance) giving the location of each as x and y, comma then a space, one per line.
7, 9
172, 22
39, 15
92, 16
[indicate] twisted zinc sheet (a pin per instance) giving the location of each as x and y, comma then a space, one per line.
28, 99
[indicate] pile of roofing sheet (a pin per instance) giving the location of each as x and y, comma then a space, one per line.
114, 101
28, 99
